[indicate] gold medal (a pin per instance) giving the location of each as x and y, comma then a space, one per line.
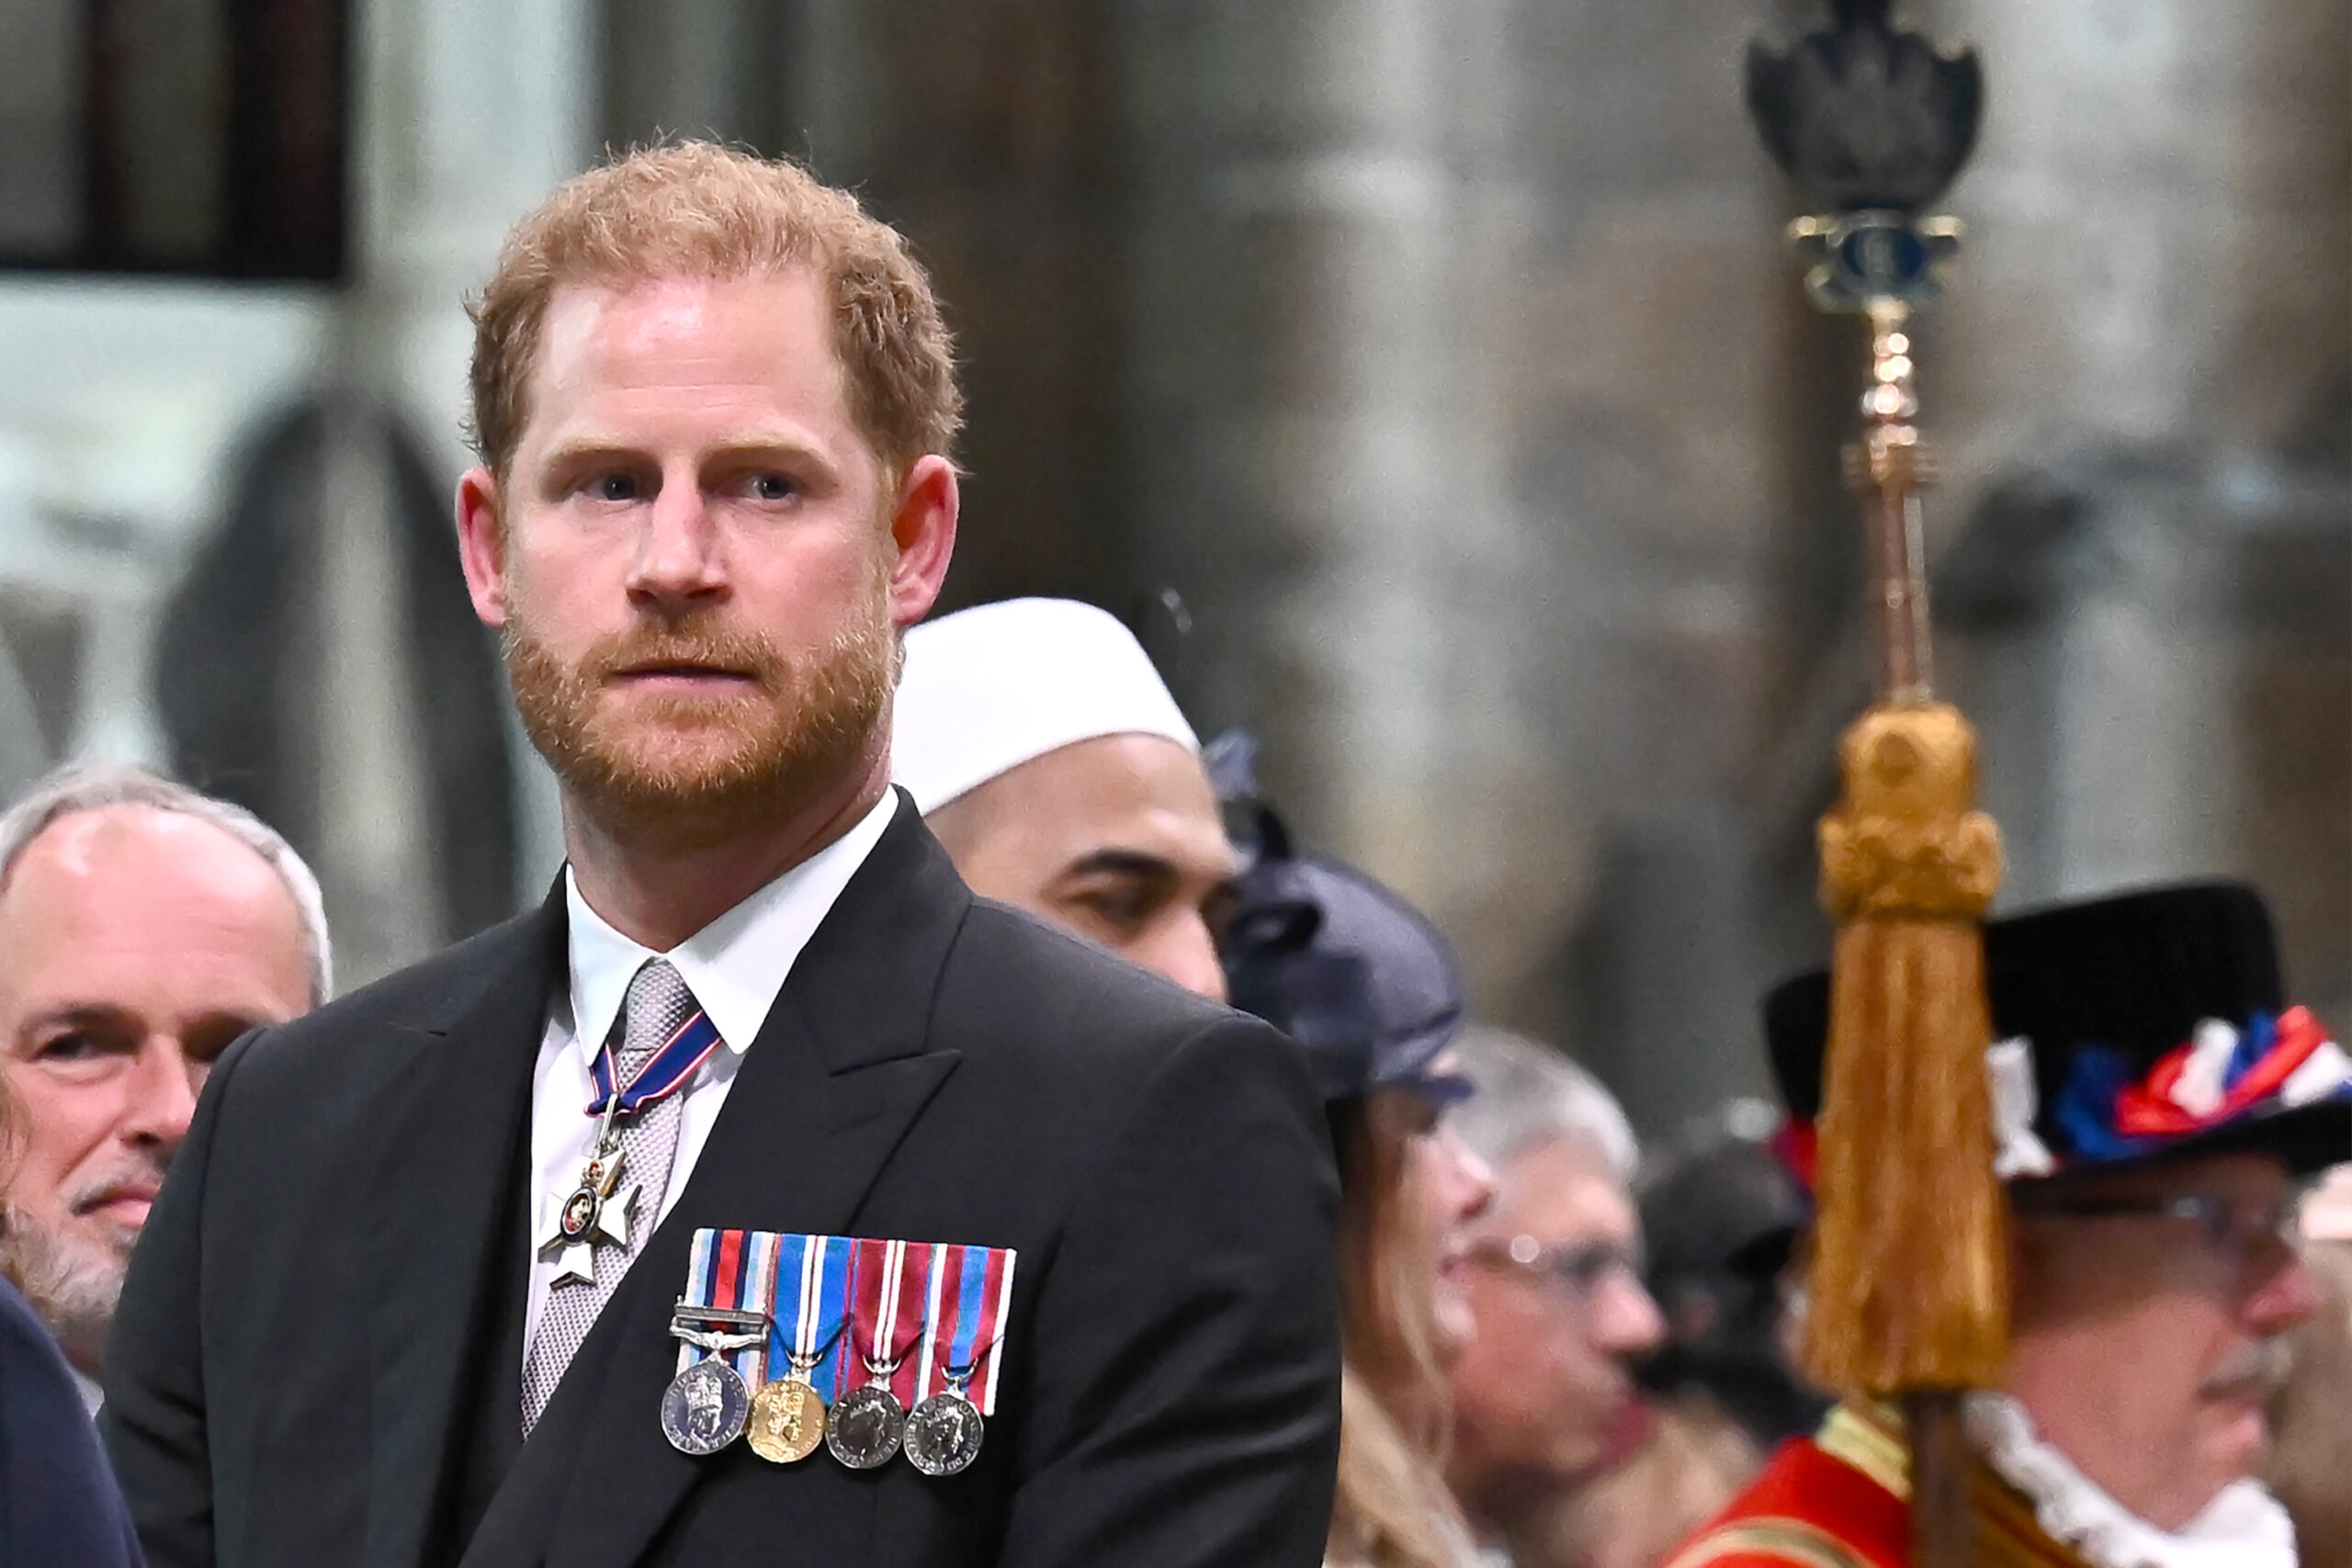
787, 1419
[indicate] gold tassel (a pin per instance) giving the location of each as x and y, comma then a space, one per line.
1910, 1288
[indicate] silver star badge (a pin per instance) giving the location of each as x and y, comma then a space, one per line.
594, 1213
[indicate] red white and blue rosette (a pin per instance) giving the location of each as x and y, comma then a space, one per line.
2221, 1077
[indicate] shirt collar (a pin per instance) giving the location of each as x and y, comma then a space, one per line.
736, 965
93, 1398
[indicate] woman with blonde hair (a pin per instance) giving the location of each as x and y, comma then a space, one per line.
1368, 987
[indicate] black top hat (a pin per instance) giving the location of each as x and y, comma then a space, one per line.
1345, 967
2156, 1030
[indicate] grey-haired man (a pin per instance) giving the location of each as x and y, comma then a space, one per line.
1543, 1393
142, 928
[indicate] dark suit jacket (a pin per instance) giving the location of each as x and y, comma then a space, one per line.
317, 1358
57, 1502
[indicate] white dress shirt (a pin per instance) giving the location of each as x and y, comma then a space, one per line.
94, 1398
734, 966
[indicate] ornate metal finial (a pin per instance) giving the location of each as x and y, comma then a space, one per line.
1875, 123
1864, 116
1910, 1290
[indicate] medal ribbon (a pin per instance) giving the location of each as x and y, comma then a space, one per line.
811, 1273
737, 1270
970, 1298
888, 1316
663, 1073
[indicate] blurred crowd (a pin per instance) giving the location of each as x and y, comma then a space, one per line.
1559, 1349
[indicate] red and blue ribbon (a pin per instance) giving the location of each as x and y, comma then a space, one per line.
2111, 1112
735, 1269
970, 1297
663, 1073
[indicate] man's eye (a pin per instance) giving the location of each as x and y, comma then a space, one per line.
1124, 910
770, 487
73, 1047
614, 487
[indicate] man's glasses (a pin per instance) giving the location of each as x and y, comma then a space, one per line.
1580, 1269
2232, 1226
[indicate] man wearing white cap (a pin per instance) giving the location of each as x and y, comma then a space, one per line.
1045, 753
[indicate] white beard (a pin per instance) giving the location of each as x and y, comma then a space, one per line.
72, 1284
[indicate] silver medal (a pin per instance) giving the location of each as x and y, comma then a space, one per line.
705, 1408
595, 1212
944, 1434
865, 1426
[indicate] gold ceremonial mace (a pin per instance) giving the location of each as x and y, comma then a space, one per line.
1910, 1290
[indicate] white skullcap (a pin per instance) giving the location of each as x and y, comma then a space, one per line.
986, 689
2327, 1213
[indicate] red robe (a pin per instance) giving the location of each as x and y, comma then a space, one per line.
1843, 1500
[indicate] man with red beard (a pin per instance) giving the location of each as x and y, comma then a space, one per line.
763, 1196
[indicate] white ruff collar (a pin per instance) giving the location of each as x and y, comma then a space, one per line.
2243, 1527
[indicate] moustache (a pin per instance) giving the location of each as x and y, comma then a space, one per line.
2262, 1368
698, 646
134, 1173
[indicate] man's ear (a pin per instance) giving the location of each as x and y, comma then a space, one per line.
922, 533
481, 545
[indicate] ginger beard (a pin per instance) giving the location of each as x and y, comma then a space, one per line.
692, 770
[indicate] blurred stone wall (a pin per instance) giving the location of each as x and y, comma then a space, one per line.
1458, 334
983, 129
144, 419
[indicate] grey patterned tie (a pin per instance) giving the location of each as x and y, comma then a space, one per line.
657, 1006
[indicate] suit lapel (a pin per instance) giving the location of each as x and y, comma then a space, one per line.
452, 1119
838, 1074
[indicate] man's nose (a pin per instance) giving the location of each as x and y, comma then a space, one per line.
2288, 1296
1625, 1319
1184, 951
678, 559
161, 1098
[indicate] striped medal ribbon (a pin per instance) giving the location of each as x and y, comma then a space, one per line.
788, 1412
722, 1325
970, 1298
885, 1294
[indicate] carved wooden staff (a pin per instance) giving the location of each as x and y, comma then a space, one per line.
1909, 1293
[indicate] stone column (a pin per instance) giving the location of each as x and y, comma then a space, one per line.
2093, 300
1453, 336
1311, 467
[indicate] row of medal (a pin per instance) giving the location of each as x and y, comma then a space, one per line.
868, 1348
